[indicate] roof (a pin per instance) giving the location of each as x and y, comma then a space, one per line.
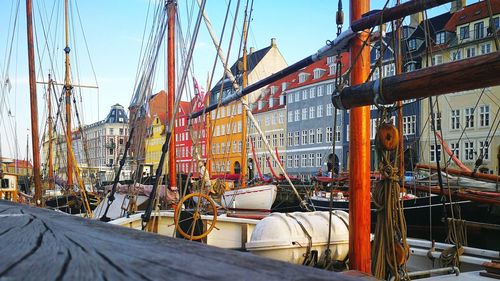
276, 96
472, 13
117, 114
253, 60
436, 24
20, 164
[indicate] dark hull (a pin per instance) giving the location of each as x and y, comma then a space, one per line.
426, 216
71, 204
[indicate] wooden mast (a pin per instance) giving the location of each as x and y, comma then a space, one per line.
51, 164
359, 150
67, 88
243, 172
33, 106
172, 11
399, 64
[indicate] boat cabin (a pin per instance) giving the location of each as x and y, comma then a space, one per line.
8, 186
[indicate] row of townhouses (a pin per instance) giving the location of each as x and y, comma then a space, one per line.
297, 116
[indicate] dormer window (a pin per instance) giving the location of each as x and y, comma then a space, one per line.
260, 105
273, 90
440, 38
302, 77
333, 69
282, 99
317, 73
464, 32
330, 60
284, 85
412, 44
404, 34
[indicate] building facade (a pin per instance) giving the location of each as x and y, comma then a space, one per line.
466, 120
270, 112
310, 120
226, 129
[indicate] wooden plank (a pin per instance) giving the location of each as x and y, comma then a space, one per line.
42, 244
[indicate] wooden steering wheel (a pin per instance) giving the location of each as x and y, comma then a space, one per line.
203, 205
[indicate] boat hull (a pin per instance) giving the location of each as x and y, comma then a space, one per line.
252, 198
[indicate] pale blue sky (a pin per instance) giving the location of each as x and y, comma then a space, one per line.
114, 28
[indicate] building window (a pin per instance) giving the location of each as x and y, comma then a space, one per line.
469, 117
259, 142
302, 77
337, 134
312, 92
330, 60
412, 44
289, 161
297, 96
282, 139
329, 89
440, 38
329, 109
111, 151
289, 98
464, 32
284, 85
455, 149
409, 67
290, 116
275, 140
282, 99
433, 153
484, 115
319, 111
333, 69
281, 118
120, 141
290, 139
296, 161
437, 59
304, 137
304, 113
318, 159
320, 91
297, 115
469, 150
437, 121
455, 119
409, 125
485, 48
317, 73
304, 95
296, 139
329, 135
312, 110
457, 55
479, 30
303, 163
484, 149
260, 105
310, 161
312, 137
470, 51
319, 135
271, 102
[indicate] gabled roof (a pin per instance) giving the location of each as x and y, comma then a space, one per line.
472, 13
436, 24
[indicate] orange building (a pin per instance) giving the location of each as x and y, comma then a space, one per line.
226, 130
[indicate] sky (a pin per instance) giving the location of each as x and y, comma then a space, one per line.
105, 43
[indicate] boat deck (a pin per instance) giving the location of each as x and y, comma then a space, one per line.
40, 244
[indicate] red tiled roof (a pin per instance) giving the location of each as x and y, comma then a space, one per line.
471, 13
265, 97
20, 164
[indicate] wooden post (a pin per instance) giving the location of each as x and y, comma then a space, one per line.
33, 106
49, 104
172, 11
243, 172
67, 87
359, 149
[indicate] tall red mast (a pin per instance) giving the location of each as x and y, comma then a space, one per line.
33, 104
359, 150
172, 13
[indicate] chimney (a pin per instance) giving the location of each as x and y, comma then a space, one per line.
457, 5
273, 42
252, 50
416, 19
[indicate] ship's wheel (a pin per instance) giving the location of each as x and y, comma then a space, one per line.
189, 222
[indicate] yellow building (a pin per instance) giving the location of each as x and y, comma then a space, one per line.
154, 142
226, 130
466, 119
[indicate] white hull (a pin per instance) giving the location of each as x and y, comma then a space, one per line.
252, 198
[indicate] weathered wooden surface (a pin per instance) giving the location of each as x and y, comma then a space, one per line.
38, 244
